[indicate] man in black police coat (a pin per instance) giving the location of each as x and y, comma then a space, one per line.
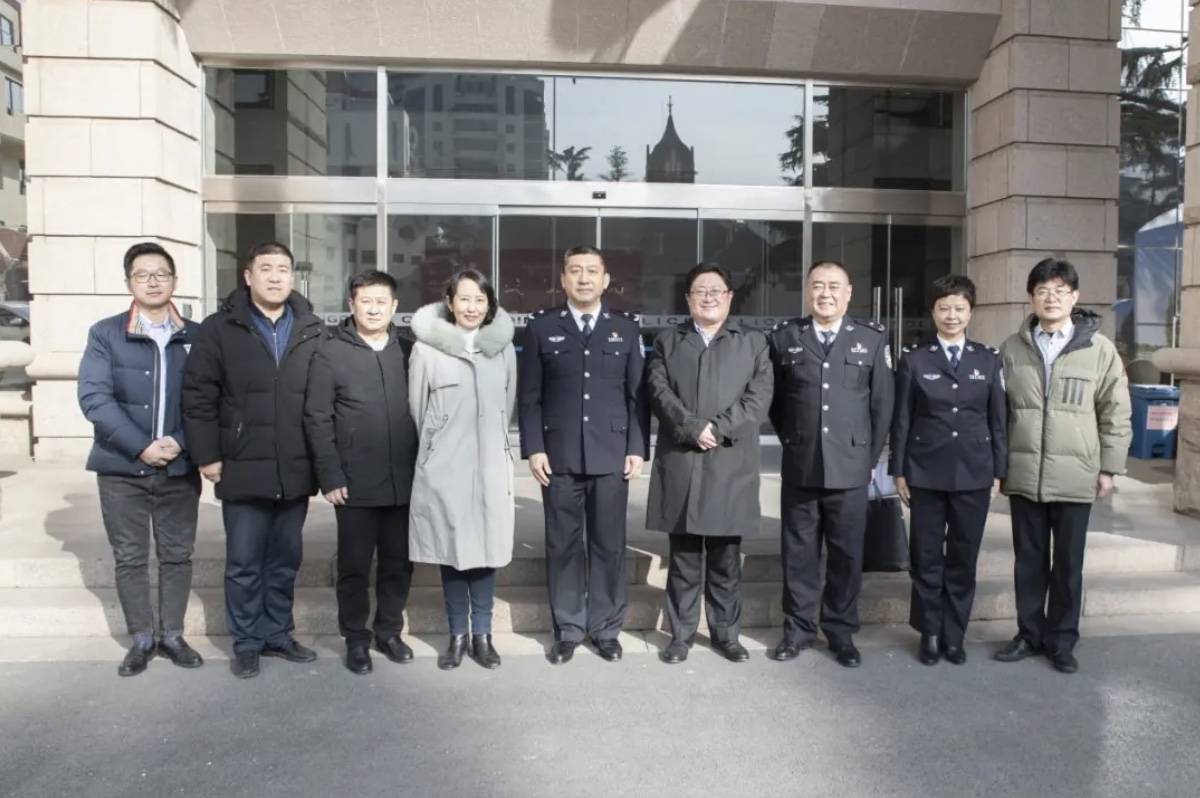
832, 409
585, 431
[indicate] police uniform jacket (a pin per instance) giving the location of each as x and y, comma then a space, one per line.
948, 433
726, 384
831, 412
583, 403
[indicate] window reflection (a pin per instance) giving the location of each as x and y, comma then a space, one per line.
291, 122
648, 259
765, 260
424, 251
887, 138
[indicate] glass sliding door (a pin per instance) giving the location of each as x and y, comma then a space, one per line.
530, 257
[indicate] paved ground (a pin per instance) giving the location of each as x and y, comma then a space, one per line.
1125, 725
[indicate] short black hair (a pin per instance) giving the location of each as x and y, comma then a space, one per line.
705, 268
824, 264
485, 286
952, 285
583, 249
1052, 269
268, 248
372, 277
146, 248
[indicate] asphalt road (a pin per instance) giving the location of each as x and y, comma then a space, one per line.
1126, 725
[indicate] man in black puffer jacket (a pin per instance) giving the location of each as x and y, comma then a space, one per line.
243, 408
364, 442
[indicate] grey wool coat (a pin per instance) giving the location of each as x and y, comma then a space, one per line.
729, 384
461, 512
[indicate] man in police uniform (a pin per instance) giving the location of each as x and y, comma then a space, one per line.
832, 409
585, 431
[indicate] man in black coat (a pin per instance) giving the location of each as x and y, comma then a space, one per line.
832, 409
585, 430
243, 410
364, 444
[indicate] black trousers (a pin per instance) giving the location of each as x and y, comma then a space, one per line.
471, 591
715, 564
945, 530
133, 508
585, 574
836, 520
1049, 596
361, 532
262, 556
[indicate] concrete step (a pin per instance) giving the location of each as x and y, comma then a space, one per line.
92, 567
81, 612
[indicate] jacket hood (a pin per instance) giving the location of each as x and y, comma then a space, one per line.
347, 331
432, 326
238, 302
1087, 324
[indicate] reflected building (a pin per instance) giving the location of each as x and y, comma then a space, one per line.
670, 161
467, 126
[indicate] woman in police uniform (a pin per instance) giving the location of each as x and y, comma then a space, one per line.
948, 457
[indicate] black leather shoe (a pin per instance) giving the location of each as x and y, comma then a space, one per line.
135, 660
178, 651
731, 650
847, 654
291, 651
1064, 662
358, 660
609, 649
928, 652
244, 664
955, 655
452, 657
675, 653
1017, 649
789, 649
394, 649
483, 652
562, 652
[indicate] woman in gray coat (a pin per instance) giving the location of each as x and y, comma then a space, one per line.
462, 390
710, 383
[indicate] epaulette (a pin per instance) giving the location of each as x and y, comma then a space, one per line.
541, 312
874, 325
780, 325
994, 350
634, 317
906, 349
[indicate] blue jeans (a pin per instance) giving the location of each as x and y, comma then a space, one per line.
473, 589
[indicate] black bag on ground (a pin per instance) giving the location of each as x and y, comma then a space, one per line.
885, 543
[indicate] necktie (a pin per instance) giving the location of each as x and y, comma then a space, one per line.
953, 350
587, 326
828, 342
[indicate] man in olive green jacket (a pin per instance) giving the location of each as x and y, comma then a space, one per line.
1068, 434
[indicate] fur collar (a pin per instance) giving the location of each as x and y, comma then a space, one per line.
432, 326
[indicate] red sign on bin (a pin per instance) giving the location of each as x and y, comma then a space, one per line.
1162, 418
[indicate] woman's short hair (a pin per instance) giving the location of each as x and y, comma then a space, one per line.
476, 277
952, 285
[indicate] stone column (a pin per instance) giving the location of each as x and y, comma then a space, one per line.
1045, 134
1184, 361
113, 157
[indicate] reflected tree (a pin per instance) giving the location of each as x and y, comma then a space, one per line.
618, 165
570, 161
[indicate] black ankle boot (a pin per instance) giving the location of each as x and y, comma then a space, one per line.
452, 657
483, 652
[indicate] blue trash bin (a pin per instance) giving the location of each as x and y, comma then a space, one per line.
1155, 420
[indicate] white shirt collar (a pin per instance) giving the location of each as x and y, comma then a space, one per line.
577, 314
835, 328
1062, 334
961, 343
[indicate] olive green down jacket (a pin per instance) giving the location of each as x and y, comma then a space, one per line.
1060, 440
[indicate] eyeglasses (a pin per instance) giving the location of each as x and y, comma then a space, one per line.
710, 293
1057, 293
141, 278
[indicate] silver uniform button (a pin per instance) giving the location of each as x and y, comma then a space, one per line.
954, 434
585, 418
825, 386
955, 386
586, 375
587, 352
954, 410
824, 407
825, 430
824, 365
585, 396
